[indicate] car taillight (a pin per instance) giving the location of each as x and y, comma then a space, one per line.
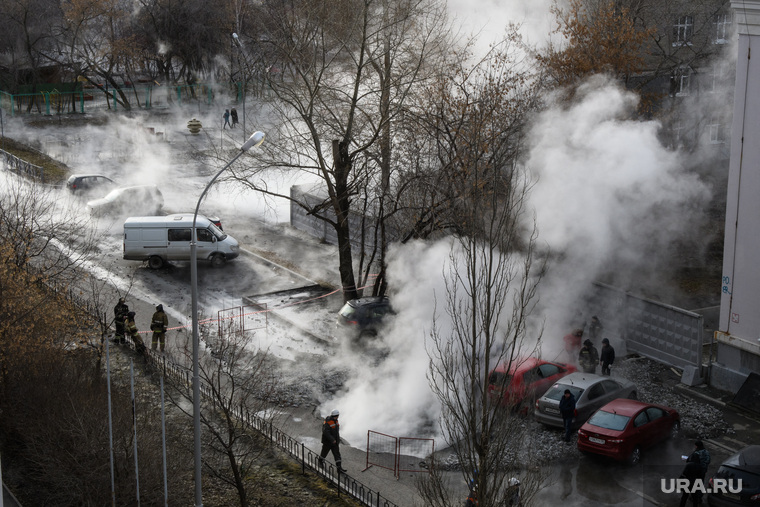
536, 404
581, 433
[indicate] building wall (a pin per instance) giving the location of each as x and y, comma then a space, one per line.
739, 329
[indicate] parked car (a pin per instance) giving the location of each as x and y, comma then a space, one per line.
89, 184
363, 317
623, 428
524, 379
591, 393
136, 200
744, 465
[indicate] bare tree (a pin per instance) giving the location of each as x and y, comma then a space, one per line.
491, 279
238, 382
345, 71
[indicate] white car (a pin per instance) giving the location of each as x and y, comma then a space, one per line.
137, 200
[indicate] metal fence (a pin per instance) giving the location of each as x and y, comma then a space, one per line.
656, 330
22, 167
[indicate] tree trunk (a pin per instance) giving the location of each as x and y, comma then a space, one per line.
342, 205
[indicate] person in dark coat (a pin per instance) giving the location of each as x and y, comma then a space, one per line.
234, 115
158, 324
567, 409
594, 329
588, 357
226, 117
691, 472
331, 440
131, 329
120, 312
607, 357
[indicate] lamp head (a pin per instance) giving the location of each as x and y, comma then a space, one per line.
234, 35
256, 139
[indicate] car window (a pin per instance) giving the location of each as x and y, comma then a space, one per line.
205, 235
180, 235
611, 386
557, 390
547, 370
595, 391
641, 419
609, 421
532, 375
655, 413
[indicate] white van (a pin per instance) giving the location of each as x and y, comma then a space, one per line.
167, 238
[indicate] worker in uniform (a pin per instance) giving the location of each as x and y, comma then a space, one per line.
131, 329
158, 324
331, 440
120, 312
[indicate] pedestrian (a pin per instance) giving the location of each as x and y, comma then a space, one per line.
567, 409
233, 113
131, 329
472, 495
513, 492
331, 440
120, 312
696, 468
158, 324
226, 116
588, 357
607, 357
573, 343
595, 329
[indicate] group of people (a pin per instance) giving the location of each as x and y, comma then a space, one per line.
587, 354
230, 114
124, 323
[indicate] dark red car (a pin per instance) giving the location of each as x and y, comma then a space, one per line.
525, 379
623, 428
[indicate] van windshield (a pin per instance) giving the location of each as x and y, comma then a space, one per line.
220, 235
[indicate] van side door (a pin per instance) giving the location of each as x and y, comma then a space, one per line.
178, 246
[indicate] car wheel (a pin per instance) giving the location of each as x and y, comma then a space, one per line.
155, 262
218, 261
675, 431
635, 456
633, 396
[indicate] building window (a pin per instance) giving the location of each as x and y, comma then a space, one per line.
716, 131
682, 31
722, 25
683, 82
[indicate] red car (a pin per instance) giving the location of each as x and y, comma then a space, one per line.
524, 379
623, 428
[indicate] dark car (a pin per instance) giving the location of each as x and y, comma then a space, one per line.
363, 317
89, 184
524, 379
591, 392
623, 428
724, 485
140, 199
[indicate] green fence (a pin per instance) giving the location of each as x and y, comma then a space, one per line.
86, 99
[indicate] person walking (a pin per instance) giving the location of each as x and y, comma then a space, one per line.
588, 357
567, 409
695, 469
226, 117
331, 440
158, 324
120, 312
594, 329
234, 115
607, 357
131, 329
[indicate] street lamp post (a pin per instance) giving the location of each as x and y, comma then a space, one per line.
256, 139
245, 76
